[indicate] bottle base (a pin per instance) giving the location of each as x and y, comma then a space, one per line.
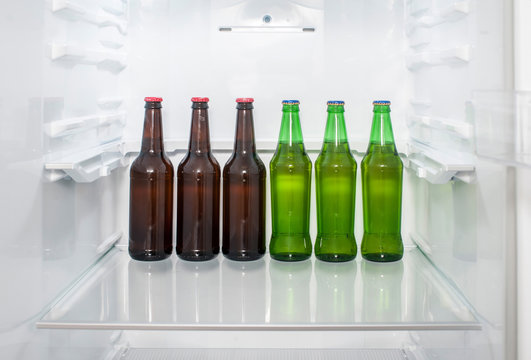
290, 256
197, 256
382, 257
243, 256
149, 256
335, 257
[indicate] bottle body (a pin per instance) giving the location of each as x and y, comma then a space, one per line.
198, 193
151, 193
335, 182
244, 204
381, 176
290, 172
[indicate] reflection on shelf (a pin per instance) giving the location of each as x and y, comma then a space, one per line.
336, 291
121, 293
382, 291
290, 292
241, 300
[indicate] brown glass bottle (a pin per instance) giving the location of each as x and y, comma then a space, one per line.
151, 192
198, 177
244, 191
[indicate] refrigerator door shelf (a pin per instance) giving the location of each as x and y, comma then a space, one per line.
439, 167
264, 295
86, 166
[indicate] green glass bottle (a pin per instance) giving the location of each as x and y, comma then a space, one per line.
381, 182
290, 174
335, 182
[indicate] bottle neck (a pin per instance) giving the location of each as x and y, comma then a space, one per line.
336, 130
290, 128
381, 131
152, 135
244, 140
199, 132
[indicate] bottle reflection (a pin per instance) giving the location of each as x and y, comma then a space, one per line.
150, 291
198, 291
243, 291
335, 291
290, 291
382, 291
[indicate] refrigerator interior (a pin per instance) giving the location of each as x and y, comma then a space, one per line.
71, 108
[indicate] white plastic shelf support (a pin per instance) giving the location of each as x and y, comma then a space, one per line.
115, 7
454, 12
89, 165
110, 38
439, 167
110, 102
459, 128
453, 56
113, 60
73, 11
74, 125
417, 7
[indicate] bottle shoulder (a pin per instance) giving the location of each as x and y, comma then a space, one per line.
250, 162
382, 156
290, 154
193, 163
333, 157
148, 164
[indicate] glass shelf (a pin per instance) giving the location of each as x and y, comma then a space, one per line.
121, 293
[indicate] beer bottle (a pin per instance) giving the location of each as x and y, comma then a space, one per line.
381, 180
335, 181
290, 171
151, 192
198, 177
244, 189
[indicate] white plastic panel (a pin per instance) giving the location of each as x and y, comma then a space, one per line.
503, 126
522, 78
467, 231
310, 66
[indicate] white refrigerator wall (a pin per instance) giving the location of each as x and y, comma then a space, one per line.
523, 84
75, 74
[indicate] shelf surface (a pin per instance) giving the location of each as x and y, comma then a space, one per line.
121, 293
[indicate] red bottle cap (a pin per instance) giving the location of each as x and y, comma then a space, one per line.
244, 100
153, 99
200, 99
